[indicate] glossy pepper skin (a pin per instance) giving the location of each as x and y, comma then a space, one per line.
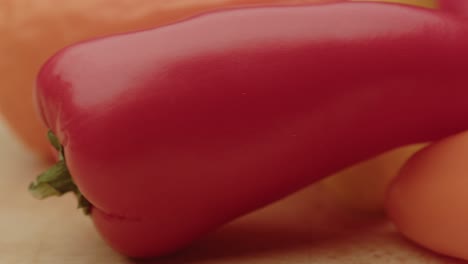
459, 7
33, 30
171, 132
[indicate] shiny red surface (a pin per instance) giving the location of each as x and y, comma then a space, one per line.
459, 7
175, 131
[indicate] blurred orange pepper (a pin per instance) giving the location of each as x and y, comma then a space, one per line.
420, 3
33, 30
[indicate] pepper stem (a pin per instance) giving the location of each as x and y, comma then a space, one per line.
57, 180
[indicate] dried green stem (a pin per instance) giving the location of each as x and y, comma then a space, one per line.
57, 180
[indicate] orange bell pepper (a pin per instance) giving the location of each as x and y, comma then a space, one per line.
33, 30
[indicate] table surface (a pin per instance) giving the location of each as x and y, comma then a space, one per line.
308, 227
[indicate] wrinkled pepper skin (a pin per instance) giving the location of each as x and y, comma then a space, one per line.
33, 30
174, 131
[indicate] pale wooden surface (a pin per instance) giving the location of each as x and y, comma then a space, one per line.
305, 228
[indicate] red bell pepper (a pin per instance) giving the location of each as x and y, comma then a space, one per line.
459, 7
171, 132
